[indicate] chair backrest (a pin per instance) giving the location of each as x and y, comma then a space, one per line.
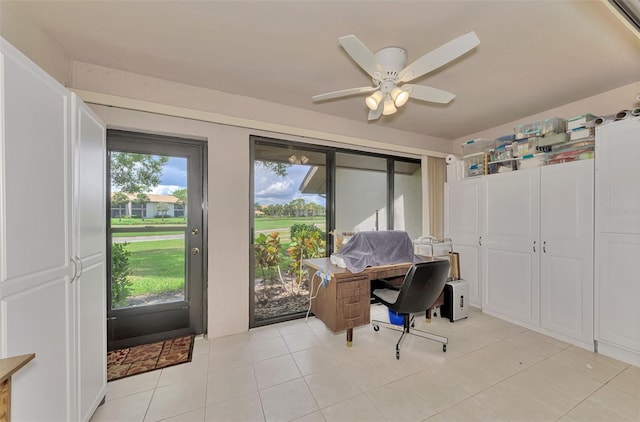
422, 285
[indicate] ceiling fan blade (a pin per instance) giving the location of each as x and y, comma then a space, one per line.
439, 57
343, 93
427, 93
375, 114
360, 54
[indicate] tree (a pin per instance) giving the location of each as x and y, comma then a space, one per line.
142, 198
162, 208
279, 169
136, 173
181, 196
119, 199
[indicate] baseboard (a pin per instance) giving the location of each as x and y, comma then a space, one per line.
632, 358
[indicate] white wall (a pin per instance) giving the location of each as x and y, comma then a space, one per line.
22, 33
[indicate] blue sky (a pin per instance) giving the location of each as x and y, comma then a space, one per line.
174, 176
273, 189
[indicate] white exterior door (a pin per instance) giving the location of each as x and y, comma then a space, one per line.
510, 245
566, 233
462, 201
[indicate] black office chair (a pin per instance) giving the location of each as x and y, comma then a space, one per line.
421, 287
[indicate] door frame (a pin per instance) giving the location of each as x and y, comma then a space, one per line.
163, 145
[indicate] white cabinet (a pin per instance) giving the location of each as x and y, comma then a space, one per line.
48, 305
617, 265
510, 243
537, 249
566, 260
88, 249
462, 224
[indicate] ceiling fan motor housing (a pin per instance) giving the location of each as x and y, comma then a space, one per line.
391, 61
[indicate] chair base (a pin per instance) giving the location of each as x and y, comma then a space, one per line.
405, 329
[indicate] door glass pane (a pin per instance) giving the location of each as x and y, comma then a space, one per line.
148, 227
361, 193
289, 225
407, 201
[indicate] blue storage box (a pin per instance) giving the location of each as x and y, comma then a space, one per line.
395, 318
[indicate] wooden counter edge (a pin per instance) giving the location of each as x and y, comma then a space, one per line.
9, 366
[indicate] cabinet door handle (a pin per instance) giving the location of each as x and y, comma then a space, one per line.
544, 246
480, 241
75, 269
534, 246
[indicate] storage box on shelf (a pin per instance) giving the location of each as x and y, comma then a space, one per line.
542, 128
475, 155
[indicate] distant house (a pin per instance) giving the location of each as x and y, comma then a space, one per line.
148, 209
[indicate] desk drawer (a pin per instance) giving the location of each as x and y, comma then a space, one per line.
352, 303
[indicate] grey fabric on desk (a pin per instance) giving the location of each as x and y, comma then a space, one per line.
370, 249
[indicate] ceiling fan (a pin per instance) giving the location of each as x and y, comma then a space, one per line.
389, 74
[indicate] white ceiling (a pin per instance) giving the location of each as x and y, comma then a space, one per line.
533, 55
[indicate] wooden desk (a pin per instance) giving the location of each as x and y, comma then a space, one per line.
8, 367
345, 302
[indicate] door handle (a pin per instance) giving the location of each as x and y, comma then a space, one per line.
534, 246
544, 246
480, 241
195, 251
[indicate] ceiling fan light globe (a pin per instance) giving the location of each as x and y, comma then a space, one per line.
389, 107
373, 100
400, 96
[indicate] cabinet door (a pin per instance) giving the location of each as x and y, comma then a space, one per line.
35, 236
566, 233
462, 211
89, 151
618, 173
510, 245
618, 290
462, 203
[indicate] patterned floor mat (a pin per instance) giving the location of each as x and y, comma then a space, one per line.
148, 357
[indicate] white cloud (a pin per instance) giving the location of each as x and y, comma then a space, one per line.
165, 189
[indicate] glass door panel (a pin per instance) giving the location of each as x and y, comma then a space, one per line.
407, 197
360, 193
289, 225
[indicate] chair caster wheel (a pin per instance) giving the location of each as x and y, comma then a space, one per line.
376, 328
398, 354
444, 347
413, 325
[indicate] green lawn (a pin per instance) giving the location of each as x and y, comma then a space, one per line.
157, 266
125, 221
269, 223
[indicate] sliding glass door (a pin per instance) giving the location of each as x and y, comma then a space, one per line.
303, 192
289, 225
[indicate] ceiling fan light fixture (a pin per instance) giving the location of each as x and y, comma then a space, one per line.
389, 107
304, 159
373, 100
293, 159
400, 96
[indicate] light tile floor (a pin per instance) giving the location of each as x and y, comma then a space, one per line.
297, 370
